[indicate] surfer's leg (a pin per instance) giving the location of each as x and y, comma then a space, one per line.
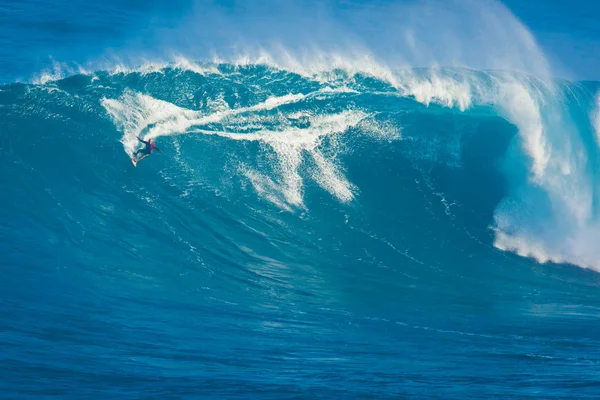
137, 154
145, 153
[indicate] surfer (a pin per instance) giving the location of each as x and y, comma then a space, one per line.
146, 151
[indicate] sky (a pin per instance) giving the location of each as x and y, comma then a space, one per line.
33, 33
567, 30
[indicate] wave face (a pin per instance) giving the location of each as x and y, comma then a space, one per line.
329, 233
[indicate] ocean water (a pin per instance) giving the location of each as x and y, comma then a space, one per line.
320, 227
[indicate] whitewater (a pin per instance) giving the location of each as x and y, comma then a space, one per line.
320, 224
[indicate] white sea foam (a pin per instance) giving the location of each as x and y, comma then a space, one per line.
179, 62
519, 106
184, 64
289, 145
436, 87
552, 217
578, 247
322, 66
139, 114
146, 68
57, 72
595, 117
135, 111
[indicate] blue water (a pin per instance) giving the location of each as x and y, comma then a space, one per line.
319, 226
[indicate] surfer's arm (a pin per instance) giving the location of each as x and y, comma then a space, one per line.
143, 141
157, 149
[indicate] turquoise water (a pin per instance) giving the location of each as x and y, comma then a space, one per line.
326, 232
295, 238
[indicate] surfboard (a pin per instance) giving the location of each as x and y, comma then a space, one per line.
134, 162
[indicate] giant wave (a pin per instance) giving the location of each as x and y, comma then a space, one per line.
295, 127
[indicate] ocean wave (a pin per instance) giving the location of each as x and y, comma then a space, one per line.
304, 124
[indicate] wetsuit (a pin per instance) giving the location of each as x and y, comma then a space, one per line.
150, 147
